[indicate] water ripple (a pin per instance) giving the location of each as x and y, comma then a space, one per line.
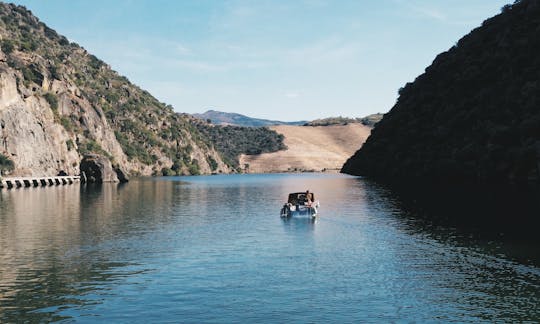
213, 249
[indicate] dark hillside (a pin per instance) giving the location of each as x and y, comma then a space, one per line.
231, 141
473, 116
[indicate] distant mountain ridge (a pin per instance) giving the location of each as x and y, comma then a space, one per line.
225, 118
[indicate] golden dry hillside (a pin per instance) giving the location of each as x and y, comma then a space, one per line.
310, 149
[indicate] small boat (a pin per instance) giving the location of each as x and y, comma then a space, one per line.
300, 204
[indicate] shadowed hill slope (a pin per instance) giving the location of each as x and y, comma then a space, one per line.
473, 116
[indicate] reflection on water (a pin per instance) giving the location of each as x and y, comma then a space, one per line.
214, 249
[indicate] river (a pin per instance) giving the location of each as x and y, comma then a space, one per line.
214, 249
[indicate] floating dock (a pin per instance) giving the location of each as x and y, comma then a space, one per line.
20, 182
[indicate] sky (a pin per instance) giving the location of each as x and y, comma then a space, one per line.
276, 59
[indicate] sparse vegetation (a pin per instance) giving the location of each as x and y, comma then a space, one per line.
212, 162
70, 145
168, 172
194, 168
52, 100
332, 121
67, 123
7, 46
370, 120
90, 146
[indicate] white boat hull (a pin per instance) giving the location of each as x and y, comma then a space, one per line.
300, 210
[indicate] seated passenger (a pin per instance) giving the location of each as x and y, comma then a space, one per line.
309, 198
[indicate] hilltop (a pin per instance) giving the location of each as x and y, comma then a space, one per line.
225, 118
369, 120
473, 116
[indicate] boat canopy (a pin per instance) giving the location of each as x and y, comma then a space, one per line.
299, 198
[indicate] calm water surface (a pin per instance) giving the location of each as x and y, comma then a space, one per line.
214, 249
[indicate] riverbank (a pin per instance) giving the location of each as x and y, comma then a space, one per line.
18, 182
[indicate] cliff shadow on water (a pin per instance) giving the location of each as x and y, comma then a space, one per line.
503, 218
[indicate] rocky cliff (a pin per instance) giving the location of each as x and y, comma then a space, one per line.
58, 103
473, 116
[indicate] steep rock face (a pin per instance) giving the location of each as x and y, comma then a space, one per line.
59, 103
474, 115
29, 135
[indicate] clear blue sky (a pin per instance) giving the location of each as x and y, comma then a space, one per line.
276, 59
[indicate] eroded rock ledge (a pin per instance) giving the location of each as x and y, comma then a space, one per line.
98, 169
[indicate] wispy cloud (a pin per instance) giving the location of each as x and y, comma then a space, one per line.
325, 50
441, 12
430, 13
316, 3
292, 95
316, 53
242, 11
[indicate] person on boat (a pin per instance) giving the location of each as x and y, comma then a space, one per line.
309, 198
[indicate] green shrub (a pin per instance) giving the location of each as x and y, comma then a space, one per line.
167, 172
91, 146
194, 168
69, 144
66, 122
212, 162
55, 74
52, 100
7, 46
31, 75
134, 149
29, 45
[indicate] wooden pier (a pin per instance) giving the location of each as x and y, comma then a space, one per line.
20, 182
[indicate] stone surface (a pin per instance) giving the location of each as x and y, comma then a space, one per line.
98, 169
121, 174
29, 135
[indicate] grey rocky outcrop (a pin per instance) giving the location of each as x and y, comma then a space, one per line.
29, 135
97, 169
121, 173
